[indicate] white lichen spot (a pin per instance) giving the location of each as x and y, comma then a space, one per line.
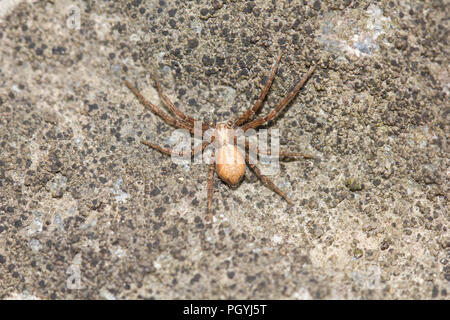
197, 27
72, 211
35, 227
106, 294
15, 88
25, 295
119, 252
35, 245
302, 294
7, 6
224, 96
134, 38
58, 221
90, 222
120, 195
160, 56
78, 141
157, 265
277, 239
353, 32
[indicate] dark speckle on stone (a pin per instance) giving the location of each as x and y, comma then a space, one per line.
172, 23
316, 5
209, 72
195, 279
155, 192
58, 50
159, 211
136, 3
244, 72
207, 61
220, 61
435, 292
282, 41
192, 102
93, 107
172, 12
384, 245
249, 7
193, 43
310, 119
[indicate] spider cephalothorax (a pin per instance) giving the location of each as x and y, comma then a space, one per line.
229, 161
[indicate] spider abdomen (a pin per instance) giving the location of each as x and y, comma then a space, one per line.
230, 164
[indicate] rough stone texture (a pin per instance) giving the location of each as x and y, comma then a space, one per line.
79, 192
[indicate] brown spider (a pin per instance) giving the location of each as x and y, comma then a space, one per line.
224, 133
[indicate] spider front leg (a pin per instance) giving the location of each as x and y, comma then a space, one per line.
171, 106
262, 95
169, 119
177, 111
260, 121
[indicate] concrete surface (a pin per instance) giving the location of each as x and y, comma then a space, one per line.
88, 212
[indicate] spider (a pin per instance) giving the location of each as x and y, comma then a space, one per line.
230, 172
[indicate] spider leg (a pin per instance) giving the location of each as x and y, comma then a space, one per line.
267, 181
172, 121
242, 119
169, 151
257, 122
211, 171
163, 150
175, 110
